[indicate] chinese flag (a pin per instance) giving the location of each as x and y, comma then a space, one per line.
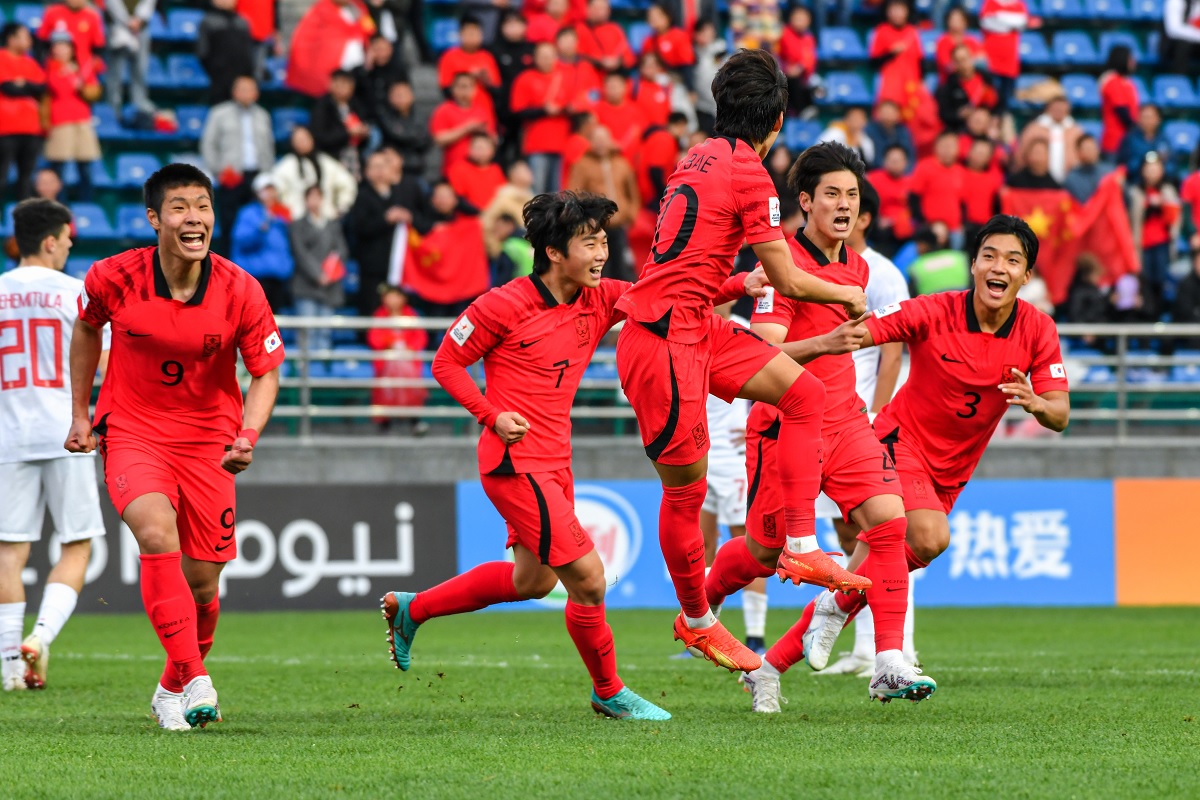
1048, 212
450, 263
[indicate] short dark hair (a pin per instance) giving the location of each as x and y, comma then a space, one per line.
341, 73
1118, 59
751, 92
565, 30
1002, 224
469, 19
553, 220
1087, 137
868, 203
10, 30
676, 118
822, 159
899, 147
173, 176
34, 220
665, 9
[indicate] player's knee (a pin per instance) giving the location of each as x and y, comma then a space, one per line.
534, 587
157, 538
767, 556
589, 591
13, 556
928, 541
204, 593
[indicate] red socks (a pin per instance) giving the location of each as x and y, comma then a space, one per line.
798, 455
682, 544
477, 588
593, 639
206, 626
169, 604
733, 570
887, 568
914, 563
790, 647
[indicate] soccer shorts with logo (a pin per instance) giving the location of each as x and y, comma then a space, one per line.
855, 468
668, 383
539, 508
199, 489
916, 478
726, 496
66, 487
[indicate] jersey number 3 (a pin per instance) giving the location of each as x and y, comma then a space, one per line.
972, 407
24, 342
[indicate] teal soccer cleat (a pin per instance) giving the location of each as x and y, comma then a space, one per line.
627, 705
401, 628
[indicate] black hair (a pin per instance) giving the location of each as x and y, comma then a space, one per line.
751, 93
953, 10
1118, 59
868, 203
469, 19
1002, 224
375, 37
564, 30
1157, 109
1087, 137
173, 176
34, 220
509, 15
341, 73
899, 147
927, 236
553, 220
945, 133
665, 9
676, 117
458, 75
822, 159
10, 30
312, 158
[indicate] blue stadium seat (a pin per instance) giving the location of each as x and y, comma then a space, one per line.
1093, 127
276, 72
1074, 49
355, 369
846, 88
1150, 54
1025, 82
1110, 39
185, 72
637, 34
840, 44
1146, 10
183, 24
1106, 9
931, 83
91, 222
443, 34
284, 119
134, 168
6, 224
799, 134
99, 173
1099, 373
132, 222
156, 74
316, 369
191, 120
158, 28
1034, 51
1175, 91
1063, 9
1183, 135
1140, 85
29, 15
1081, 90
107, 126
929, 40
195, 159
77, 266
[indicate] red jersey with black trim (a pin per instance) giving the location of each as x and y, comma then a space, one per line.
534, 350
950, 405
172, 370
806, 320
719, 196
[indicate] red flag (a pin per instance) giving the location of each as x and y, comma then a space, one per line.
450, 264
1048, 212
1102, 228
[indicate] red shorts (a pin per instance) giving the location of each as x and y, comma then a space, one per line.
920, 490
201, 492
539, 508
668, 383
855, 468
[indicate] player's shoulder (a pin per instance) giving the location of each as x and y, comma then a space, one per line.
505, 303
129, 268
1036, 322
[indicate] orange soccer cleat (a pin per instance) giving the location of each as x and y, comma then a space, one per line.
718, 646
819, 569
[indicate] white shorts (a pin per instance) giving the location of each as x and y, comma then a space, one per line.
826, 508
727, 492
66, 486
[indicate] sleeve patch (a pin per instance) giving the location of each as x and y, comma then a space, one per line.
890, 308
272, 342
766, 303
83, 299
462, 331
774, 216
1057, 371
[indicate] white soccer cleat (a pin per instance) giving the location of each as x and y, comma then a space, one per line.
168, 710
37, 658
14, 683
823, 631
851, 664
763, 686
200, 702
896, 679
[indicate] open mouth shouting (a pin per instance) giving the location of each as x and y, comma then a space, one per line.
996, 287
841, 223
194, 241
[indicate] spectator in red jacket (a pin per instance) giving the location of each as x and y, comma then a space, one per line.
654, 162
938, 185
670, 43
955, 35
404, 346
798, 59
894, 225
469, 57
456, 120
545, 25
650, 88
896, 53
1002, 22
579, 76
478, 177
617, 112
82, 21
962, 90
541, 100
983, 181
1118, 99
332, 34
72, 88
601, 41
22, 84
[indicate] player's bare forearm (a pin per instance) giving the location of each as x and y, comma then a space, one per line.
805, 350
793, 282
86, 343
260, 400
1054, 412
890, 355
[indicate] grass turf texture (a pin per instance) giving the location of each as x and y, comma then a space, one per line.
1082, 703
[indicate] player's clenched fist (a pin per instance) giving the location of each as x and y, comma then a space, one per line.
80, 439
239, 456
511, 427
855, 301
756, 282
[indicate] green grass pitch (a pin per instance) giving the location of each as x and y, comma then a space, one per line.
1083, 703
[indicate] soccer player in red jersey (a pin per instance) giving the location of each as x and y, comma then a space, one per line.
856, 471
170, 422
536, 336
974, 354
674, 350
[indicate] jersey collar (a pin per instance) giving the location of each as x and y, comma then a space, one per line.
973, 322
815, 251
547, 297
161, 289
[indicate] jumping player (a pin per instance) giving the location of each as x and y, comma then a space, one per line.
974, 354
536, 336
675, 351
856, 471
170, 422
37, 317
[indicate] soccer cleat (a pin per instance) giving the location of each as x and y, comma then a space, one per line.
763, 686
717, 645
37, 656
822, 633
401, 628
851, 664
14, 683
896, 679
168, 710
817, 568
200, 702
625, 704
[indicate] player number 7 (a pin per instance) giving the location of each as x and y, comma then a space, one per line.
562, 368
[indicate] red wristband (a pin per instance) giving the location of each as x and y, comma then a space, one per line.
249, 433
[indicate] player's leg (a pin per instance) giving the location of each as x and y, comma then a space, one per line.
708, 526
861, 660
22, 505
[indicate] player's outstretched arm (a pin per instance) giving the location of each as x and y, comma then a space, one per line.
776, 259
845, 338
86, 344
1051, 409
260, 400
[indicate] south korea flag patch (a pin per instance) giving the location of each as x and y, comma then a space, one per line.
1058, 371
766, 303
272, 342
462, 330
890, 308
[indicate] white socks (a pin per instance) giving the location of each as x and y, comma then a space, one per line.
754, 612
707, 621
12, 623
768, 668
58, 603
864, 629
802, 544
885, 657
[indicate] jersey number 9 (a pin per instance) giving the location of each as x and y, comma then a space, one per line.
174, 372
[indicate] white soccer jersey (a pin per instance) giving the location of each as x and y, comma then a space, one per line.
38, 309
727, 425
884, 286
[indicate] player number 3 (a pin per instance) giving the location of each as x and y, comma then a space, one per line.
174, 372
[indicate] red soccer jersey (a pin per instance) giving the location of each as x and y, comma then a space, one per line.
652, 99
475, 184
941, 191
450, 115
719, 196
456, 60
893, 201
607, 40
979, 202
533, 89
172, 372
798, 50
534, 352
19, 115
950, 405
806, 320
542, 27
1116, 91
84, 25
674, 48
1002, 22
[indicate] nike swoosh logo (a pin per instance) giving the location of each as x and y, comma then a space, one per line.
951, 360
139, 335
172, 633
530, 344
221, 547
889, 589
889, 480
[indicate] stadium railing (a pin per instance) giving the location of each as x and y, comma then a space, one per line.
1129, 384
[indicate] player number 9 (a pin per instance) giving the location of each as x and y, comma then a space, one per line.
174, 371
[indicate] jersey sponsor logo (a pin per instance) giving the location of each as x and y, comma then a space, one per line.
212, 343
583, 332
272, 342
463, 329
766, 303
1058, 371
774, 216
890, 308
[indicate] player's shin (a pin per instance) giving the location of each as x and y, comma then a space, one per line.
887, 568
58, 603
734, 569
789, 650
683, 548
172, 611
799, 458
479, 587
593, 638
206, 624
